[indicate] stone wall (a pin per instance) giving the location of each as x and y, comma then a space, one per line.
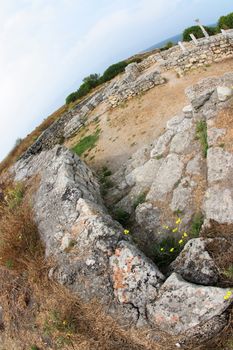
207, 51
137, 78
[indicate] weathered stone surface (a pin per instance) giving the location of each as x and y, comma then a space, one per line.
181, 141
136, 279
213, 134
147, 216
218, 204
144, 174
73, 126
220, 165
139, 158
181, 198
224, 93
173, 123
169, 173
68, 209
161, 144
200, 93
194, 166
194, 263
199, 305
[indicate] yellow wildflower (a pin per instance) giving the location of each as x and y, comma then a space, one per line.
166, 227
175, 229
185, 234
172, 250
178, 221
64, 322
181, 241
161, 249
126, 232
228, 295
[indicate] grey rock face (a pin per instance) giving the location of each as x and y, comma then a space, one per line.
181, 306
73, 126
200, 93
82, 237
213, 134
144, 174
147, 216
136, 279
169, 173
194, 263
220, 165
181, 198
161, 144
181, 141
193, 166
218, 204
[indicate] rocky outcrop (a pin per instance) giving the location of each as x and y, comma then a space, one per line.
195, 264
182, 306
96, 258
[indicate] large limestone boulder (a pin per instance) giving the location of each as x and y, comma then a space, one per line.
195, 264
82, 238
136, 280
144, 174
182, 306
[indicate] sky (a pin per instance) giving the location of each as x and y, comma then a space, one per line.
48, 46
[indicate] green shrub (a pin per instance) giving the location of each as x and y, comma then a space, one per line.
113, 71
201, 134
196, 225
196, 30
86, 143
122, 216
140, 199
226, 22
71, 98
166, 251
106, 183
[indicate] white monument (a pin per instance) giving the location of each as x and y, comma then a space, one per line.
194, 39
224, 32
181, 45
202, 28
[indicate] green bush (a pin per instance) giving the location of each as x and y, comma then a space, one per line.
71, 98
122, 216
140, 199
226, 22
113, 71
196, 30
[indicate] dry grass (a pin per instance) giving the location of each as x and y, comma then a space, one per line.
18, 150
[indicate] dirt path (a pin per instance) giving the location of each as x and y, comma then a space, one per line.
140, 120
